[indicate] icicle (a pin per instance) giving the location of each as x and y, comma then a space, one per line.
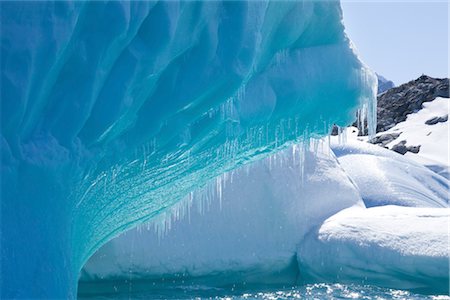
219, 190
302, 161
342, 135
367, 114
281, 57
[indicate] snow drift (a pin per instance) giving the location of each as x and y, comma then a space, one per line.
386, 177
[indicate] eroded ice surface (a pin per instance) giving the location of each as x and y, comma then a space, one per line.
114, 111
269, 211
246, 234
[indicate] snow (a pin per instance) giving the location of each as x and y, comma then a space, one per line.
433, 139
248, 235
402, 239
392, 246
268, 219
276, 208
386, 177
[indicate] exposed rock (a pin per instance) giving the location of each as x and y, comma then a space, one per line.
335, 130
436, 120
395, 104
384, 139
402, 148
413, 149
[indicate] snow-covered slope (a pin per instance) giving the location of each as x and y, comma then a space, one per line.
419, 177
386, 177
433, 139
395, 104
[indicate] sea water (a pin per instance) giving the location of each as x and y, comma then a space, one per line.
146, 290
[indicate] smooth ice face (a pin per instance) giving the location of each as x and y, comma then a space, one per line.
112, 112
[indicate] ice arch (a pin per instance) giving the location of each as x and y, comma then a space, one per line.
113, 111
244, 234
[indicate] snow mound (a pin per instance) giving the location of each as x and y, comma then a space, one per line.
401, 247
249, 233
386, 177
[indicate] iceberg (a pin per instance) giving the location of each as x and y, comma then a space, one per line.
112, 112
296, 217
245, 234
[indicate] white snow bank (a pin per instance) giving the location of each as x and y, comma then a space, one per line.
386, 177
391, 246
433, 139
248, 234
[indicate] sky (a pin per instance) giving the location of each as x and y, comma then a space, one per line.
400, 40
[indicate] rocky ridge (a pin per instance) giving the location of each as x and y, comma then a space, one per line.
396, 103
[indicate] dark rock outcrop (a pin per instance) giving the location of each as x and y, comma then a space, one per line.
413, 149
334, 130
436, 120
402, 148
384, 139
395, 104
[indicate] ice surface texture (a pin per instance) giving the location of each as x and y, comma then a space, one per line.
112, 112
246, 235
268, 226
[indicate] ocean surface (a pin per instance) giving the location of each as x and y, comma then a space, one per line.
142, 290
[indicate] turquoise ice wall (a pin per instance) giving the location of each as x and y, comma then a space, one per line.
113, 111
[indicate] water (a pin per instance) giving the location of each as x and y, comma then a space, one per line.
310, 291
